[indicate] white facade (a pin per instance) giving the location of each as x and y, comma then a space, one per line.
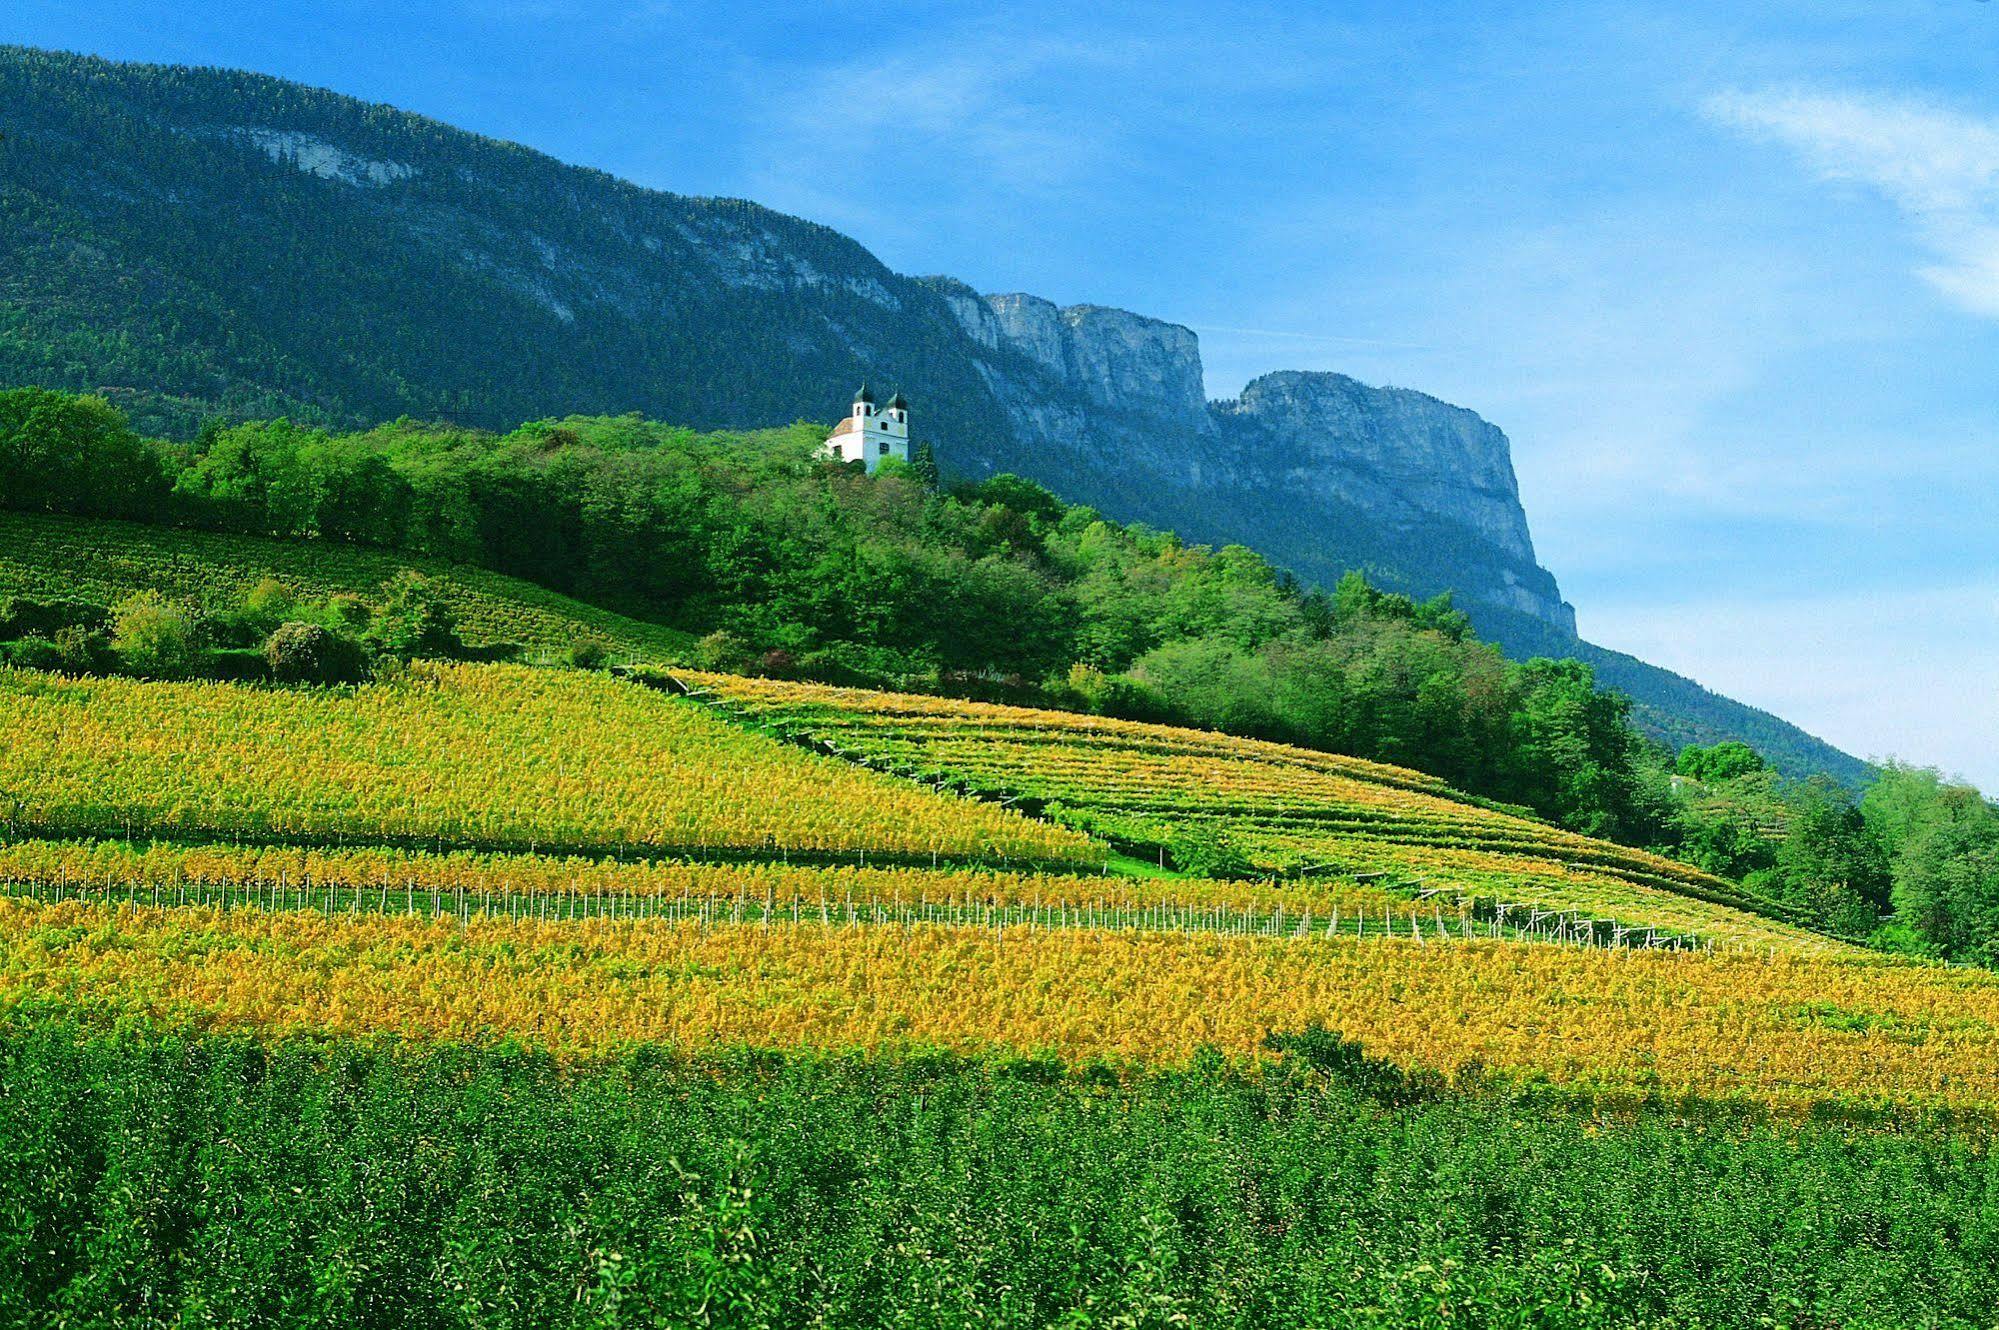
871, 434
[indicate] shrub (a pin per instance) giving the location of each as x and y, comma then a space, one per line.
155, 638
347, 612
413, 620
308, 653
270, 601
588, 653
83, 650
724, 651
238, 665
1349, 1063
1114, 694
33, 652
22, 616
1209, 852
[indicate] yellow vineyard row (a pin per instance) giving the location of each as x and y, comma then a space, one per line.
1286, 807
483, 756
170, 873
1790, 1031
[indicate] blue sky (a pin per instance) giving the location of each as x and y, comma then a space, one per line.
1727, 274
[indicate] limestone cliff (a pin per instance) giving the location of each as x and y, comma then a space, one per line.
1327, 472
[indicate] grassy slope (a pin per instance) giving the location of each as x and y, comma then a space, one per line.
97, 560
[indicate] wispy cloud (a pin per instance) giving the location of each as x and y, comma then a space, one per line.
1939, 167
977, 112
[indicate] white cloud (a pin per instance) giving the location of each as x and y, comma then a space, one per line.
1938, 166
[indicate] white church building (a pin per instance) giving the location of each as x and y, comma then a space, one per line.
869, 435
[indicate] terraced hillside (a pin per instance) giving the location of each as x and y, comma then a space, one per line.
47, 556
1290, 811
477, 853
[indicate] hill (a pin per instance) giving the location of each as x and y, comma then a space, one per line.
194, 243
767, 560
1207, 800
485, 799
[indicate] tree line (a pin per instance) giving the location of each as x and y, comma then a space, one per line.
791, 565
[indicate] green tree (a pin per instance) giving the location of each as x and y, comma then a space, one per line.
155, 637
413, 620
69, 454
1830, 866
1942, 842
1721, 762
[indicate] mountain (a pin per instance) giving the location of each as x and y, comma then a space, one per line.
195, 242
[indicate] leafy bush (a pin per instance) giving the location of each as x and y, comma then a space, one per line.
156, 638
723, 650
413, 620
83, 650
1348, 1062
238, 665
309, 653
33, 652
1209, 852
22, 616
588, 653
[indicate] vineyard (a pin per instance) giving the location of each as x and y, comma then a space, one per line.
464, 883
489, 757
1787, 1032
1291, 811
565, 992
46, 556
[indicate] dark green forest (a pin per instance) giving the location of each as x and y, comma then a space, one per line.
788, 565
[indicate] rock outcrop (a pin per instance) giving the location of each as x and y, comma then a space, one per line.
1329, 472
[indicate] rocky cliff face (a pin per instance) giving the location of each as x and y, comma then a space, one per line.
1324, 468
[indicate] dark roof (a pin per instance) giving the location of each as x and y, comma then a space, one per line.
864, 396
896, 403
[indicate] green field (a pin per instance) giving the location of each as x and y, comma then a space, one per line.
43, 556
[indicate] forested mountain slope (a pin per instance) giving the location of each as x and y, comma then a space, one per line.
195, 242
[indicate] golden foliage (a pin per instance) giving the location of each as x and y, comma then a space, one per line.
1285, 808
490, 756
1790, 1031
